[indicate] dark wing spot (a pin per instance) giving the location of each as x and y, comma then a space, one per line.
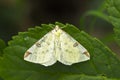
86, 53
75, 44
38, 44
27, 53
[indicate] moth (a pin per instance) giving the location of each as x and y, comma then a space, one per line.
56, 45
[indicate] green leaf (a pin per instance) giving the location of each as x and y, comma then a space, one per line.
12, 67
84, 77
2, 46
1, 78
99, 13
113, 8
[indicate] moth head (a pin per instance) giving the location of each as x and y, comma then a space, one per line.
57, 30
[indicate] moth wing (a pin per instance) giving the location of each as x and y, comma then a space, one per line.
42, 51
71, 50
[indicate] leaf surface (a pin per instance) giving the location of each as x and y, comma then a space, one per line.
12, 67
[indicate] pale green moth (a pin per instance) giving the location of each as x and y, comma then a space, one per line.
57, 45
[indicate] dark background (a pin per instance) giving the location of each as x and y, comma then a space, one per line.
18, 15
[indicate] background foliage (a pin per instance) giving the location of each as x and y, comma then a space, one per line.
104, 63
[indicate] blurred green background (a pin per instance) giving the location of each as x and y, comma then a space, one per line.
18, 15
